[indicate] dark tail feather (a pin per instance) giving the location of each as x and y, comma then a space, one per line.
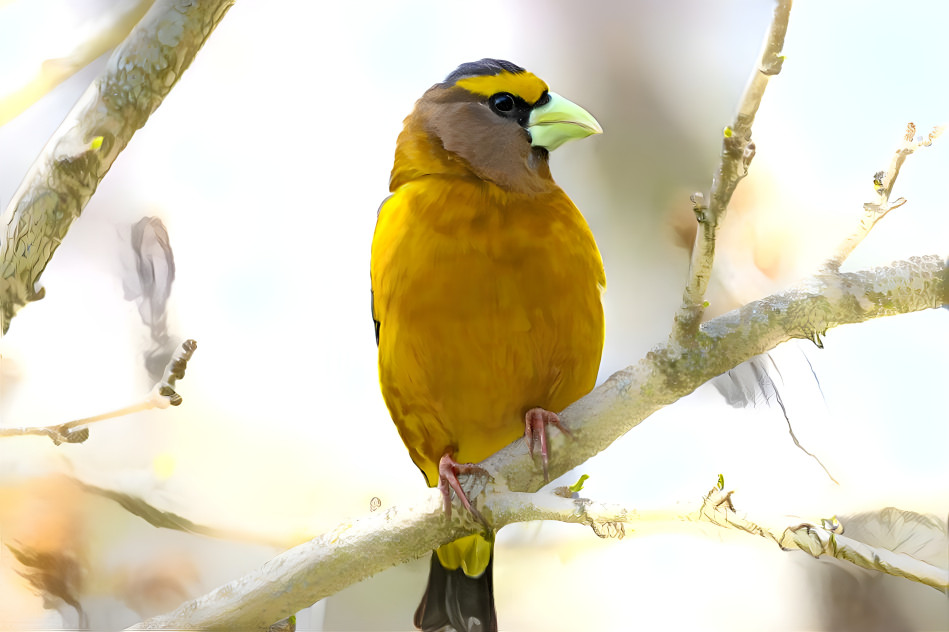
452, 598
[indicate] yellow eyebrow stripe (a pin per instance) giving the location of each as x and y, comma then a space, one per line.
523, 84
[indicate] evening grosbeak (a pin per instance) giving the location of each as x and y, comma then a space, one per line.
486, 284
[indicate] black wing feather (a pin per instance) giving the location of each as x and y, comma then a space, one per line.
372, 306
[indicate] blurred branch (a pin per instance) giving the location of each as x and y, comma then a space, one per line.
138, 76
163, 519
56, 575
305, 574
110, 29
162, 396
883, 182
817, 541
737, 152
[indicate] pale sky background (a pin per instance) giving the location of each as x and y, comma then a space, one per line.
267, 163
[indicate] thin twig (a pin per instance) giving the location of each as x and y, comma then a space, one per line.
162, 395
737, 152
883, 182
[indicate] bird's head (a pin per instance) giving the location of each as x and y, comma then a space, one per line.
492, 120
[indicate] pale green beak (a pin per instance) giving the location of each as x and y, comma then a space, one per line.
559, 120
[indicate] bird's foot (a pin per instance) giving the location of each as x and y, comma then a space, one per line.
536, 421
448, 471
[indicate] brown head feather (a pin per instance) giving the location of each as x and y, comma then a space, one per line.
453, 131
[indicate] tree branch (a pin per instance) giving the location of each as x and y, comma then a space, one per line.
162, 395
826, 539
140, 73
301, 576
716, 507
817, 541
670, 372
737, 152
883, 182
316, 569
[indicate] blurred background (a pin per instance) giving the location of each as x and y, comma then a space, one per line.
266, 165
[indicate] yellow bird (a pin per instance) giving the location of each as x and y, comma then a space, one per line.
486, 284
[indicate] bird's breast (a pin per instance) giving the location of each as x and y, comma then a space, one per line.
490, 305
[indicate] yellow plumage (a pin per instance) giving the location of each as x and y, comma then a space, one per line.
486, 287
490, 304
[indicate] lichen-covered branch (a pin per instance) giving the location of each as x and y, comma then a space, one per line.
138, 76
737, 152
316, 569
162, 395
354, 551
670, 372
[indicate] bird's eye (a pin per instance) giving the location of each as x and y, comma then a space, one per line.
502, 102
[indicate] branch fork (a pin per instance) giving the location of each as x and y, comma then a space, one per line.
161, 396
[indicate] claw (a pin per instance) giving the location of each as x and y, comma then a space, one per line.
536, 421
448, 471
